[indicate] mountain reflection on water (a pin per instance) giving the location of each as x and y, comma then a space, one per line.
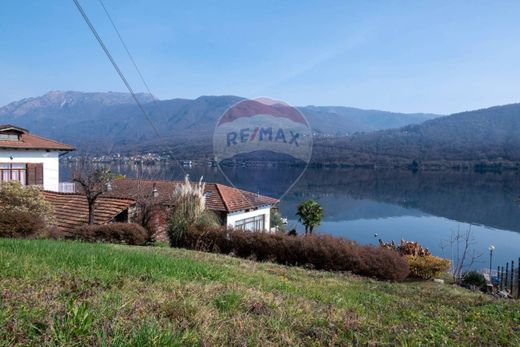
427, 207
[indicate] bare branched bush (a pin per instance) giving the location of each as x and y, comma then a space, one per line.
148, 208
461, 252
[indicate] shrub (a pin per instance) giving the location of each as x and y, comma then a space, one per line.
127, 233
473, 279
406, 248
322, 252
292, 232
383, 263
148, 216
23, 210
189, 210
426, 267
19, 224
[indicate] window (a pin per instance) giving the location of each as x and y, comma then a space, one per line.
9, 137
13, 172
254, 223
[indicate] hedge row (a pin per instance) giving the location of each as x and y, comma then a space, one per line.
17, 224
321, 252
20, 224
127, 233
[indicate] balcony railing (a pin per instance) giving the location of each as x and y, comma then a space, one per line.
67, 187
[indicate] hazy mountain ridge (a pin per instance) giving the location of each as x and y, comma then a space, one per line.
61, 102
113, 118
486, 134
106, 122
327, 117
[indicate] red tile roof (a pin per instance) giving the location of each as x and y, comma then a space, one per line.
236, 199
71, 209
219, 197
30, 141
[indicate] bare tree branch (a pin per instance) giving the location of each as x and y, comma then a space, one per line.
93, 181
461, 243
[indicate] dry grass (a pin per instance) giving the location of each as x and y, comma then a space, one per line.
71, 293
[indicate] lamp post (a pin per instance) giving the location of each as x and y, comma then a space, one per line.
491, 248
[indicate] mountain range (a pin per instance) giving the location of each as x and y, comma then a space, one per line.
485, 135
89, 118
111, 121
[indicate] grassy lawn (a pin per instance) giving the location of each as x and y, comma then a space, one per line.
70, 293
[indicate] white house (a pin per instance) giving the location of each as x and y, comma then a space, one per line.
30, 159
235, 208
252, 218
34, 160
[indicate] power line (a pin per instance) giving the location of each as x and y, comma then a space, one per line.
118, 70
107, 52
126, 48
120, 73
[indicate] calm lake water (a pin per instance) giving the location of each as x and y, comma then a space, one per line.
425, 207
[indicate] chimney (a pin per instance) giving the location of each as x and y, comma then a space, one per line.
155, 192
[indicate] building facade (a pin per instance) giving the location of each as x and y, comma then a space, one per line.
236, 208
30, 159
257, 219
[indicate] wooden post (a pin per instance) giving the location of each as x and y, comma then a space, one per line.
506, 277
499, 275
501, 278
502, 275
518, 281
512, 276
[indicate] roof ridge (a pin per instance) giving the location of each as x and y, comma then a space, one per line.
27, 140
7, 126
242, 192
51, 140
213, 183
217, 187
160, 180
60, 193
116, 198
79, 194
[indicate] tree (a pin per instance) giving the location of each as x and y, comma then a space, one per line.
310, 214
462, 255
148, 206
189, 210
276, 221
94, 181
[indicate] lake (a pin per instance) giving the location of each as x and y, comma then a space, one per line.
365, 205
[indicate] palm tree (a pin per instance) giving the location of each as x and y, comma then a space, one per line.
310, 214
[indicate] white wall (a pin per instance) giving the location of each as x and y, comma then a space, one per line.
263, 210
50, 161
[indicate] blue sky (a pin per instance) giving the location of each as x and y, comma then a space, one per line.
407, 56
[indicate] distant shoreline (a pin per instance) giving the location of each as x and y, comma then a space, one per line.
385, 164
